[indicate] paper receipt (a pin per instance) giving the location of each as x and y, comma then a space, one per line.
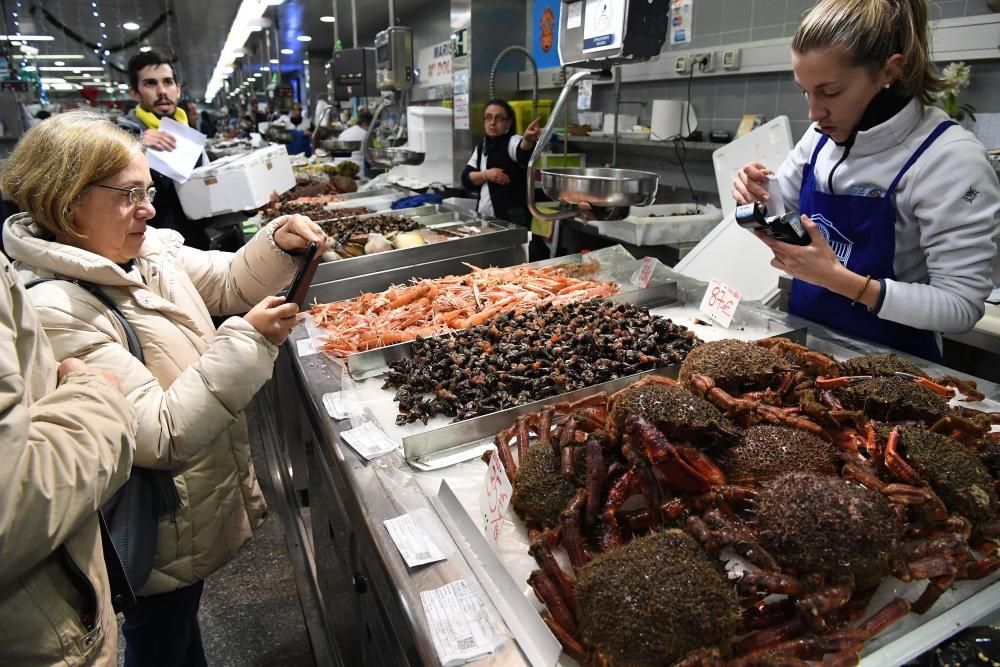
459, 623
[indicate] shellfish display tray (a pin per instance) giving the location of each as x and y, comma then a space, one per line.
962, 605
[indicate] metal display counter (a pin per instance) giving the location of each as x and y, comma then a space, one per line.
371, 599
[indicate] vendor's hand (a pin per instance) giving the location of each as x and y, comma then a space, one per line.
750, 183
71, 365
159, 140
297, 232
815, 263
273, 318
496, 175
532, 132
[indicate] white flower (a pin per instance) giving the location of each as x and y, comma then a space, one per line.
956, 76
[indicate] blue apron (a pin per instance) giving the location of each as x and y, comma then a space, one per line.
862, 232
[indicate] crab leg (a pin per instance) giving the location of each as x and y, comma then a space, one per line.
572, 538
502, 441
523, 438
542, 554
619, 492
696, 475
573, 648
548, 595
545, 424
596, 476
896, 463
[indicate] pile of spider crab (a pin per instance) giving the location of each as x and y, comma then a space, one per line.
746, 512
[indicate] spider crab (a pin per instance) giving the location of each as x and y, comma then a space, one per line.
754, 382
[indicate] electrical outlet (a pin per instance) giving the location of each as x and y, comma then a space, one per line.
682, 65
705, 62
731, 59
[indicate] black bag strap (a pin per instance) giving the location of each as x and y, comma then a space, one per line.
130, 338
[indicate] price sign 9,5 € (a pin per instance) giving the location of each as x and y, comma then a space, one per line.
494, 499
720, 302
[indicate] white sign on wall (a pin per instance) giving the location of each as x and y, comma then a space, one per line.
434, 63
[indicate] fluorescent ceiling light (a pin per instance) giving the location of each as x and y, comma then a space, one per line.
305, 62
145, 49
265, 69
65, 56
27, 38
327, 19
130, 25
30, 68
287, 52
273, 3
52, 79
304, 38
275, 61
59, 63
73, 68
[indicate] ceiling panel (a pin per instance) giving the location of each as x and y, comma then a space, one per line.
195, 33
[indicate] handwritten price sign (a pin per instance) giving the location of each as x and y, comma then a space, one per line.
720, 302
494, 499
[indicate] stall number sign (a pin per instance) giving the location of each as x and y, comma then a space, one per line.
720, 302
434, 63
494, 499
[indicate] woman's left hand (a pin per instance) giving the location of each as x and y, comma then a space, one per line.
297, 232
815, 263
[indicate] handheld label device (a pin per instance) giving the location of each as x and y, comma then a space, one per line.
787, 228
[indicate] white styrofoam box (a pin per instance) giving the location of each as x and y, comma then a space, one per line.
767, 144
729, 252
421, 119
662, 223
236, 183
439, 141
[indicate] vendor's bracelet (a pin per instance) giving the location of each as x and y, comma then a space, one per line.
868, 280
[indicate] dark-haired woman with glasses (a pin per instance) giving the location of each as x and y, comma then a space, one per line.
497, 169
84, 185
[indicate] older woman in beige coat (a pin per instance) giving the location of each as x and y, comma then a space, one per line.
86, 187
66, 441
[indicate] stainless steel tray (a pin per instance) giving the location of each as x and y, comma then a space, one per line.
600, 187
377, 192
370, 363
391, 157
497, 245
337, 146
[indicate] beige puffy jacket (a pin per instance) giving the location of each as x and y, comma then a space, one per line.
64, 450
190, 395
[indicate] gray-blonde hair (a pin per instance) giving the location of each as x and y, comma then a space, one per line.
869, 32
57, 159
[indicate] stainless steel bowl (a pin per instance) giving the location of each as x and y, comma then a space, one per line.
393, 156
600, 187
337, 146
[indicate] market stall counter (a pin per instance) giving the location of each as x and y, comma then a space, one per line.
377, 607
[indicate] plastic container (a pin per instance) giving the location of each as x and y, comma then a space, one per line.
236, 183
523, 110
662, 223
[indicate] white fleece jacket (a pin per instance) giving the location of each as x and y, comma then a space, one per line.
947, 213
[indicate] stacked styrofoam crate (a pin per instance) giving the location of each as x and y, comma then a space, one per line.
236, 183
429, 131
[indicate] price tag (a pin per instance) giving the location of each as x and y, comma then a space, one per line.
307, 346
337, 405
369, 441
460, 625
494, 499
414, 544
643, 275
720, 302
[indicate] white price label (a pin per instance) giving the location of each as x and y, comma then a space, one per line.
369, 441
494, 499
720, 302
337, 405
414, 544
307, 346
460, 625
644, 273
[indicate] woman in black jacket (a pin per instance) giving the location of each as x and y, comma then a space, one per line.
497, 168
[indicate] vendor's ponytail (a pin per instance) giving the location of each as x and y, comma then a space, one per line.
869, 32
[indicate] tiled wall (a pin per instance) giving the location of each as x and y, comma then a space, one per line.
720, 102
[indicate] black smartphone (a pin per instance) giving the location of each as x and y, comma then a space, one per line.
303, 277
787, 228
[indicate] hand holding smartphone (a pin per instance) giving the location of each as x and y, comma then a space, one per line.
303, 277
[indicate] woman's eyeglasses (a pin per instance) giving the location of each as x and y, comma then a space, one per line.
136, 194
495, 119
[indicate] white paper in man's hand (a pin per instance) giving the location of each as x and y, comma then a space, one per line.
178, 163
